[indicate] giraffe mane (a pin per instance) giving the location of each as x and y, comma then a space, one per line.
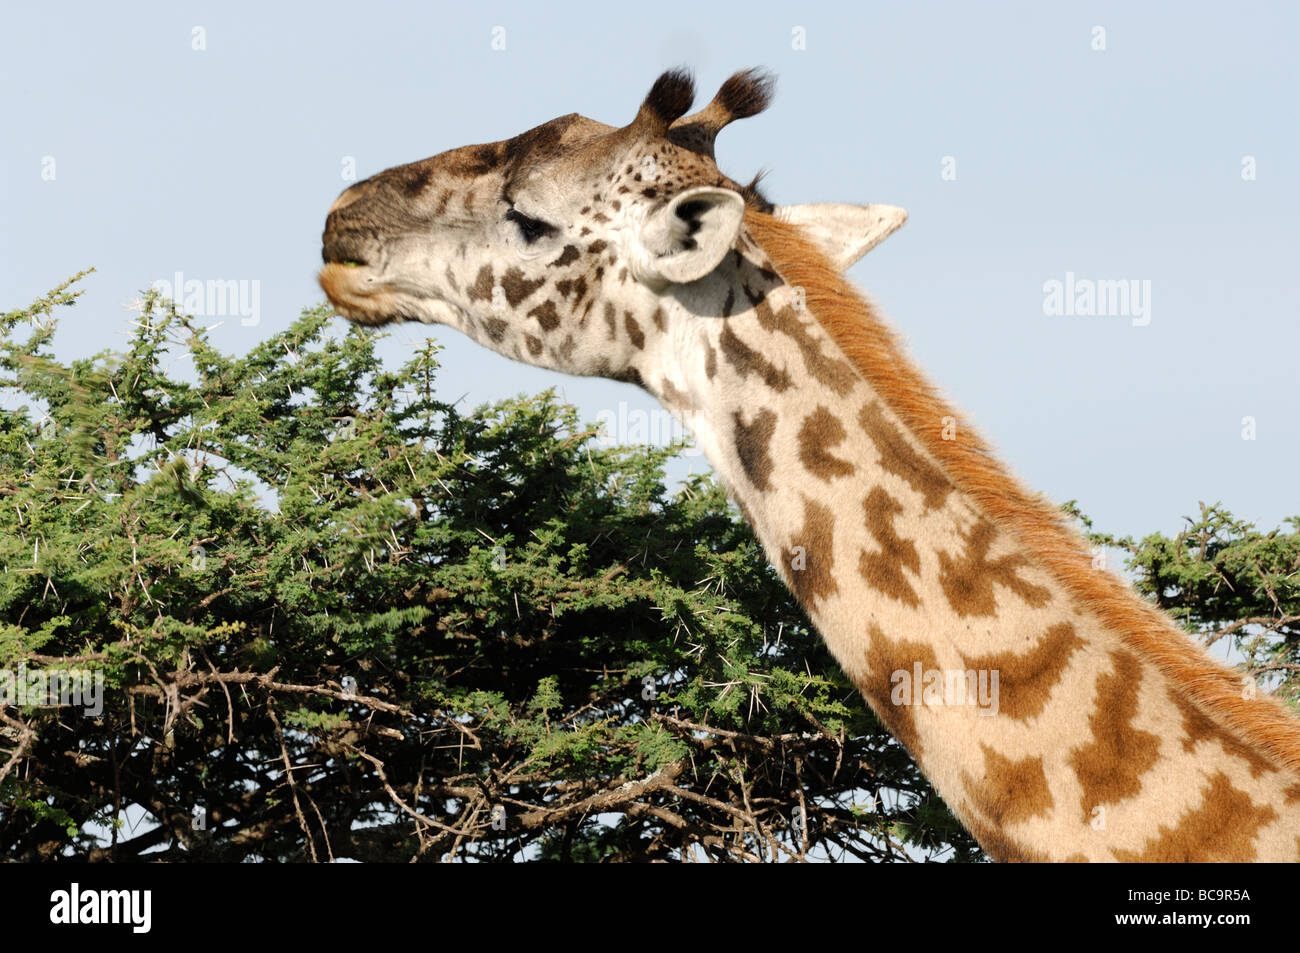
875, 351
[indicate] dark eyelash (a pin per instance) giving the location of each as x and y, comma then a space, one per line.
530, 228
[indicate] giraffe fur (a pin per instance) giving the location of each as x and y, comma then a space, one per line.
625, 252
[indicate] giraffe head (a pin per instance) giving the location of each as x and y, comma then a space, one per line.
567, 246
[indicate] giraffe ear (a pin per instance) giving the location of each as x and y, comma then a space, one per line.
845, 232
688, 237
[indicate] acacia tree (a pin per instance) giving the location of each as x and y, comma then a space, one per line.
1230, 586
337, 618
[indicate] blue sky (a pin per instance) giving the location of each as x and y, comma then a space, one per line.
128, 148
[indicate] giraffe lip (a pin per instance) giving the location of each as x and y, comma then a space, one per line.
363, 297
342, 246
355, 294
350, 260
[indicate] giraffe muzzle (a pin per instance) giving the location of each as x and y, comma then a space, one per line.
345, 246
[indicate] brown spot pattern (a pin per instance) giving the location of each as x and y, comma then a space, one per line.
820, 430
836, 374
575, 286
1200, 727
752, 443
884, 657
747, 361
1221, 830
1026, 680
883, 571
1110, 766
534, 344
674, 397
898, 457
567, 257
481, 290
545, 315
968, 581
816, 578
634, 331
517, 287
1000, 847
1010, 791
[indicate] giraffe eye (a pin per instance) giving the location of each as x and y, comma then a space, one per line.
530, 228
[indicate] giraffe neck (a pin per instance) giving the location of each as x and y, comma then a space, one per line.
1051, 734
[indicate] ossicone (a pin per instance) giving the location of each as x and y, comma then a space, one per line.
744, 94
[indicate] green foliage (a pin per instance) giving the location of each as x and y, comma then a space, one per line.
336, 617
535, 626
1226, 582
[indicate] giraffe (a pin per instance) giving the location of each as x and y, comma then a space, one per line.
1059, 715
